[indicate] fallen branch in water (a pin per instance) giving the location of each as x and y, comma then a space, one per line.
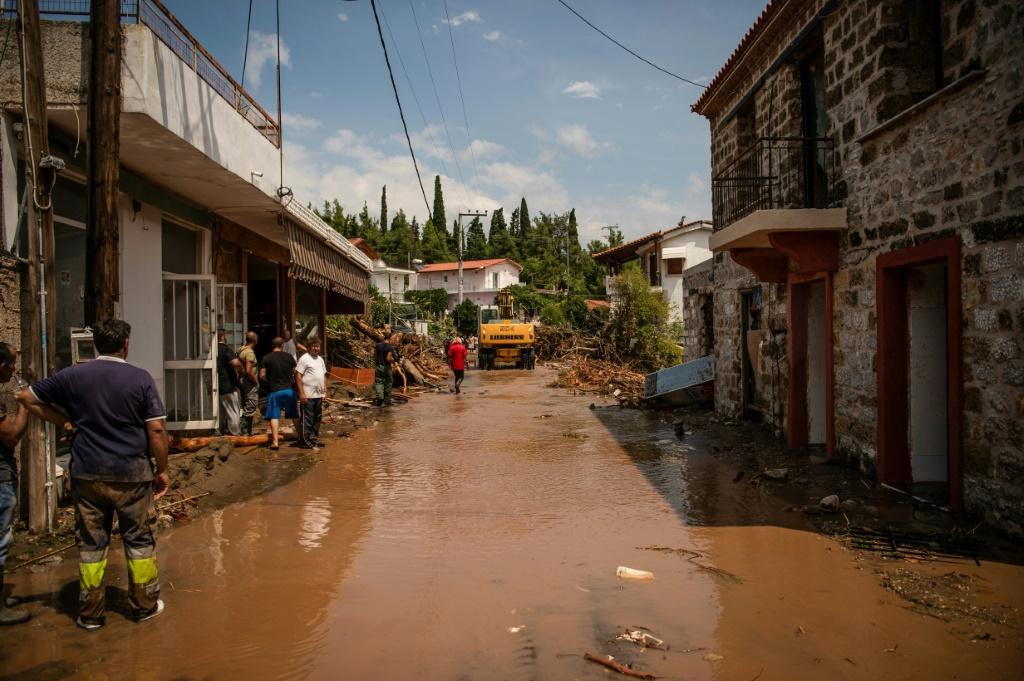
616, 666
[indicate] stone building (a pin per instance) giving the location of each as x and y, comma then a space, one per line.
868, 195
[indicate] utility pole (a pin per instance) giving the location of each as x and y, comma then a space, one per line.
462, 241
39, 309
102, 231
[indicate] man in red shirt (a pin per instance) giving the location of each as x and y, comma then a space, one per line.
457, 361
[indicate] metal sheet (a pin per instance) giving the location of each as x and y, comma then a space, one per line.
679, 377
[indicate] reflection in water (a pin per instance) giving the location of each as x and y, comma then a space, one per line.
316, 519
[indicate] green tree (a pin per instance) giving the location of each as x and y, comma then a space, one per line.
513, 231
368, 227
435, 247
615, 237
465, 317
501, 244
527, 301
384, 209
639, 334
526, 245
438, 214
398, 245
476, 241
455, 238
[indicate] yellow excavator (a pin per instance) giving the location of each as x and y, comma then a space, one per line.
504, 340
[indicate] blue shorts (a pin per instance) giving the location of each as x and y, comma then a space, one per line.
282, 400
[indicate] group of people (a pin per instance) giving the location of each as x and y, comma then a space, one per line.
296, 378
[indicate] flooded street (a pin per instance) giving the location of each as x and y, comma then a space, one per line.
477, 537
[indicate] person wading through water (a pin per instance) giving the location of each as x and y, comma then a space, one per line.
119, 422
457, 361
384, 380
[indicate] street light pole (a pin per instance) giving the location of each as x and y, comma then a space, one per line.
462, 242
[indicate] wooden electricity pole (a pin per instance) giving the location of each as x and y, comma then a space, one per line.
39, 308
102, 286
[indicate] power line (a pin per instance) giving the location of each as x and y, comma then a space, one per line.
462, 99
245, 56
398, 101
643, 59
412, 89
433, 84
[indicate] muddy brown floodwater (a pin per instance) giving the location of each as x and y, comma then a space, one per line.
477, 537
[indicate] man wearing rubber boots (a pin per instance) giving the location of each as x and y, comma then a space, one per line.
120, 421
384, 379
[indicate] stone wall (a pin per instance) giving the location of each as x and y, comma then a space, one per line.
698, 311
951, 165
10, 301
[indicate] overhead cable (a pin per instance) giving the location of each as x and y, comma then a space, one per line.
641, 58
433, 84
245, 55
415, 97
398, 101
458, 79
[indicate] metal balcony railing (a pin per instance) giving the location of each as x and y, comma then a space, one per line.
775, 172
172, 33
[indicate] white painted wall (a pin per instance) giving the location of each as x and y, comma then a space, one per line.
157, 83
692, 247
816, 366
473, 280
926, 300
142, 287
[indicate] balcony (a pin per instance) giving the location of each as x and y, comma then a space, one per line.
777, 201
171, 32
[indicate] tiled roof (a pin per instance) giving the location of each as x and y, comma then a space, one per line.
361, 243
467, 265
626, 247
767, 14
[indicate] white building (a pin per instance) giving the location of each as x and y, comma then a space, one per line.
481, 279
204, 240
390, 282
663, 256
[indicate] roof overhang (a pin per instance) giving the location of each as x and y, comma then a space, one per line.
623, 253
767, 240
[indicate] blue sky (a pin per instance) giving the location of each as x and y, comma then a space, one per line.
556, 113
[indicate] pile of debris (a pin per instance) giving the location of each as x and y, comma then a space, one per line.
582, 374
576, 357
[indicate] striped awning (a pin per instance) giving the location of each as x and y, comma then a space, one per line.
317, 263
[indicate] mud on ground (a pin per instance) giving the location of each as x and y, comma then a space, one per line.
211, 478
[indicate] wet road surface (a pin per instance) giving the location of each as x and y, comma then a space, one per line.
477, 537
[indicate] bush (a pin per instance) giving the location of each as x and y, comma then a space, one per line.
639, 333
465, 316
552, 314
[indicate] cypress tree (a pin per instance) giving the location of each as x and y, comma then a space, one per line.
438, 217
476, 241
384, 209
526, 245
502, 244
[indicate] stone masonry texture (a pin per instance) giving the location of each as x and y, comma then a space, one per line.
949, 161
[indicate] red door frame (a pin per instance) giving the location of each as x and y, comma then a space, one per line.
893, 362
798, 421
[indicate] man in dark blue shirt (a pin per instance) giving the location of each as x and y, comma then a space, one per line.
119, 422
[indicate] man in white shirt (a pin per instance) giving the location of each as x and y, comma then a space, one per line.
311, 379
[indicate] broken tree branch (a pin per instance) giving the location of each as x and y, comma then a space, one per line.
616, 666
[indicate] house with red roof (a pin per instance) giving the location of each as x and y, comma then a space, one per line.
481, 279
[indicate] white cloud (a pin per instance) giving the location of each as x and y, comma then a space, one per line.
263, 51
342, 16
492, 36
582, 89
579, 139
644, 209
482, 148
300, 122
353, 167
472, 16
